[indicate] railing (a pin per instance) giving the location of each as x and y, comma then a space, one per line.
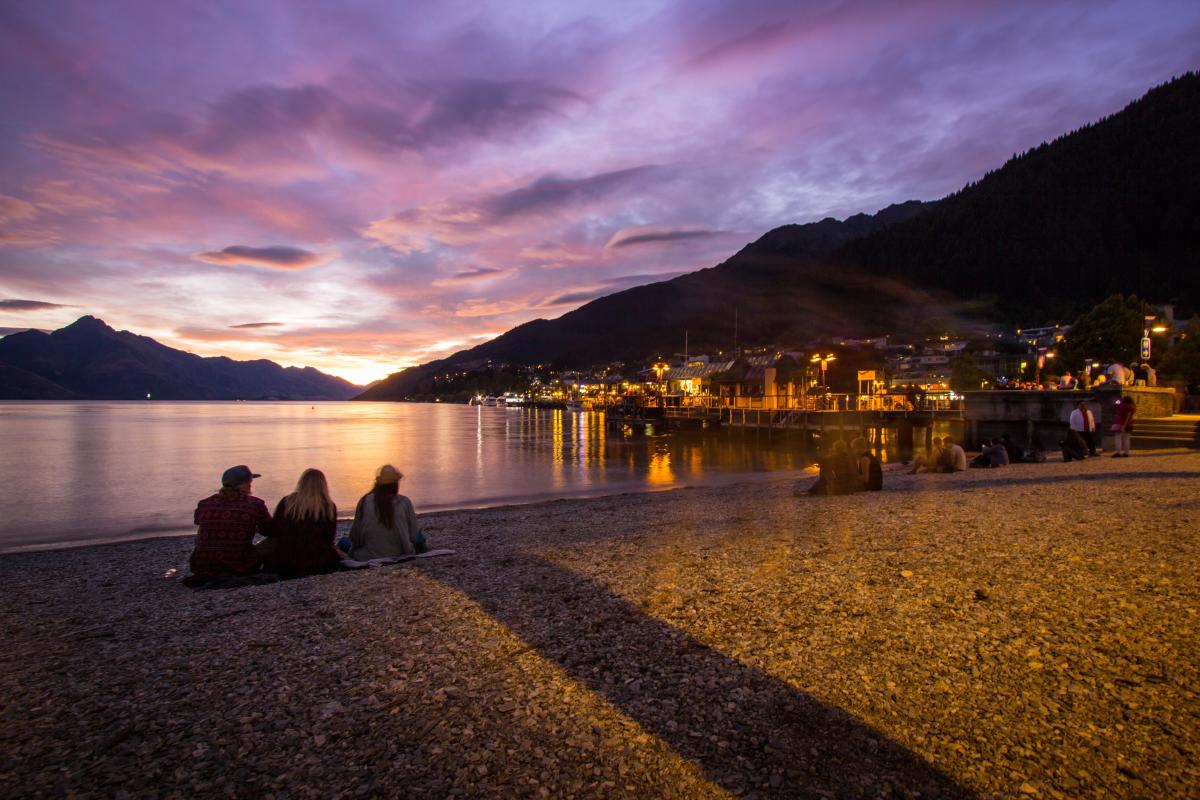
709, 405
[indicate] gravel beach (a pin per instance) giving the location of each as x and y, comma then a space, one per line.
1029, 631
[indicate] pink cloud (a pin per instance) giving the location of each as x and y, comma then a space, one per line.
472, 276
14, 209
275, 257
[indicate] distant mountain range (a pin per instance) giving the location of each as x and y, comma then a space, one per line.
89, 360
1112, 207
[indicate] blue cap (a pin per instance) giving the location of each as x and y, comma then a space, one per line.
236, 476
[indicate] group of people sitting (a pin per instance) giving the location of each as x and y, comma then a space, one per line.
847, 469
943, 455
300, 538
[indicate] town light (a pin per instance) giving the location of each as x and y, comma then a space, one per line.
1159, 328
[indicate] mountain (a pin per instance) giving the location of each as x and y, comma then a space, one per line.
1112, 207
758, 295
19, 384
90, 360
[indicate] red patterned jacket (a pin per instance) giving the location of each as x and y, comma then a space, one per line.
224, 543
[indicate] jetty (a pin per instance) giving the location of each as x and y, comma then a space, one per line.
891, 422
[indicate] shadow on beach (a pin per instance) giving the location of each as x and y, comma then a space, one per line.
748, 731
1006, 477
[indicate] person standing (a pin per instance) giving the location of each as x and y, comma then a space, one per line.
305, 525
228, 521
1123, 426
1084, 423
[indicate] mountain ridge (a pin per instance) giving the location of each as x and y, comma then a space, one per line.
90, 360
1113, 206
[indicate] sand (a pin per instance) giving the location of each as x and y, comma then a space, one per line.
1025, 631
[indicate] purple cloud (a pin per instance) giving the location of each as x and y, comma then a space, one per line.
552, 191
29, 305
256, 325
276, 257
472, 163
630, 237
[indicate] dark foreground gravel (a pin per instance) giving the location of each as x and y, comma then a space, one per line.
1028, 631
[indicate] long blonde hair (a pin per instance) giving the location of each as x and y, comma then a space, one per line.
311, 498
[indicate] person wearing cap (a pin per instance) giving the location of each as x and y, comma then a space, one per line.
385, 522
227, 523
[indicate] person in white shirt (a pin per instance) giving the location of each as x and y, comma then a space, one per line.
1084, 422
1117, 373
953, 457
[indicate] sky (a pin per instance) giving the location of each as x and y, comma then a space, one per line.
364, 185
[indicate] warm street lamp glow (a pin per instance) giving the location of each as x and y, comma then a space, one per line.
1159, 328
823, 362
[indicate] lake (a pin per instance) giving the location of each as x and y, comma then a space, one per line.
76, 473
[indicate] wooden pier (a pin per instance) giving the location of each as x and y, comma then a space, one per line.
904, 429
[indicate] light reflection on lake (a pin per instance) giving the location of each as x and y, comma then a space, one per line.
77, 472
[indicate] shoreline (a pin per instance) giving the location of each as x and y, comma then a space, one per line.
344, 521
1004, 632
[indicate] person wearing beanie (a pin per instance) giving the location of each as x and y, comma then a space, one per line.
385, 522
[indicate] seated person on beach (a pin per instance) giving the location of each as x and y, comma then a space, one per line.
385, 522
228, 521
953, 458
993, 454
1014, 451
839, 474
870, 471
928, 461
1074, 448
305, 525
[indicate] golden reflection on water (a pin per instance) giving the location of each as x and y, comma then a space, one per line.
451, 456
659, 472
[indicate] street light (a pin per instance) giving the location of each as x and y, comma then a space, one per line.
823, 362
659, 369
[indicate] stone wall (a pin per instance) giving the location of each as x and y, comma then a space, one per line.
1046, 416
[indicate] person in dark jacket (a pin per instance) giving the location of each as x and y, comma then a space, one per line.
1015, 453
305, 525
870, 470
1073, 447
839, 474
228, 521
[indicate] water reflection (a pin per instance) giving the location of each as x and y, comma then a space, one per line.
100, 470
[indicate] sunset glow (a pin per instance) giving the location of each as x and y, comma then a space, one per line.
362, 187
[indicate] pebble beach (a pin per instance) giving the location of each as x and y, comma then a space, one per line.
1029, 631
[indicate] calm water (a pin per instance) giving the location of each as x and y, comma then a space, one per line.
83, 472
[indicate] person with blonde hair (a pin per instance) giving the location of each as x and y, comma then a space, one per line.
928, 461
305, 525
385, 522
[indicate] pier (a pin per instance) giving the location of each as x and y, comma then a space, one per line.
902, 428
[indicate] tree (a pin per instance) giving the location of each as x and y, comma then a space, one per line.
965, 375
1110, 331
1182, 362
